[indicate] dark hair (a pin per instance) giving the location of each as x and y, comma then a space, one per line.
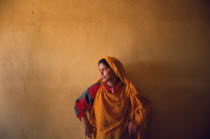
103, 61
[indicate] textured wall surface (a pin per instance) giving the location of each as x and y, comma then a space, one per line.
49, 52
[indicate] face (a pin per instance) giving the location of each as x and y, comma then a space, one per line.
106, 73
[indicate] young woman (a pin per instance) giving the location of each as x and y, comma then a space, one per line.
116, 109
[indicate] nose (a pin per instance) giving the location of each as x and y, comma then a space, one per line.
101, 72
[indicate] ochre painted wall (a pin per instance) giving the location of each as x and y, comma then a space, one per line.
49, 52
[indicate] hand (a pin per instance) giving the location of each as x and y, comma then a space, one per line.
88, 130
132, 127
88, 126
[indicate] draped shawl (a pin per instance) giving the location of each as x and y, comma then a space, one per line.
112, 112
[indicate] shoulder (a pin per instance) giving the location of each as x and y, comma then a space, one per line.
94, 86
93, 89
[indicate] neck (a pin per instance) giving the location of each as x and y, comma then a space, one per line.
113, 82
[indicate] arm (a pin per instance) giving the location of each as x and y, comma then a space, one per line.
132, 125
88, 127
84, 103
140, 107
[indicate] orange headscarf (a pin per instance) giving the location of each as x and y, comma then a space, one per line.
138, 106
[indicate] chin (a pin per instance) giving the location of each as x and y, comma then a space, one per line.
104, 80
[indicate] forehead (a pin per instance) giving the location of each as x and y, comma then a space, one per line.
101, 65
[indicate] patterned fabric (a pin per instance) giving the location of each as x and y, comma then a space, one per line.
85, 101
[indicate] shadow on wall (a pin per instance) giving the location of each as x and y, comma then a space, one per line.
178, 96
